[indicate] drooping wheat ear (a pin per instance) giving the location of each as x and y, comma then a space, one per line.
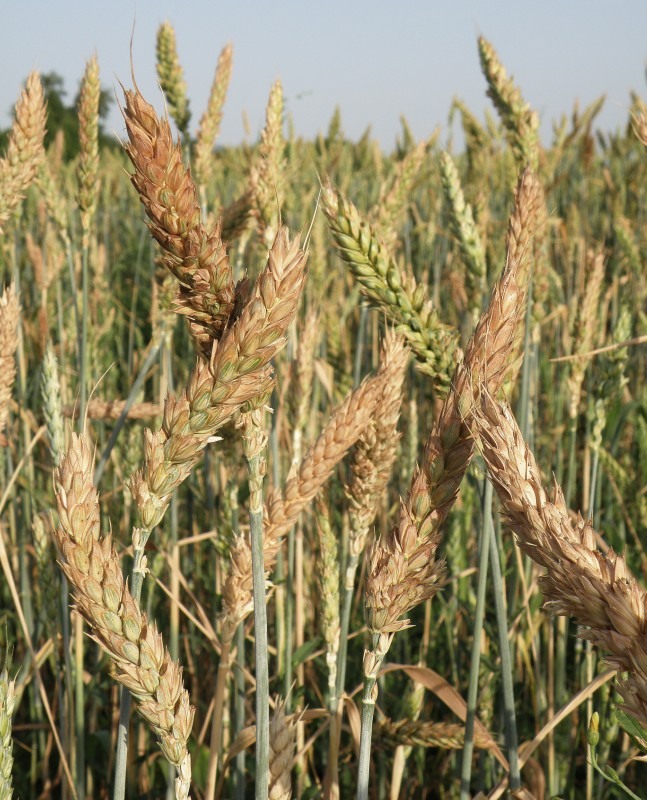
520, 121
91, 564
195, 256
24, 148
416, 733
9, 315
374, 454
88, 167
587, 327
597, 590
210, 121
464, 229
381, 280
171, 77
267, 176
283, 731
51, 394
239, 370
7, 703
395, 195
329, 582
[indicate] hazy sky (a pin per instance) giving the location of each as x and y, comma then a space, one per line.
375, 59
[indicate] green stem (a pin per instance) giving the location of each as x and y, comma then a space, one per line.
368, 710
253, 444
473, 684
511, 738
344, 623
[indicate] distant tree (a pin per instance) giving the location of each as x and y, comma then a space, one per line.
61, 117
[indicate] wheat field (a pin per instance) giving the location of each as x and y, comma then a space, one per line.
323, 469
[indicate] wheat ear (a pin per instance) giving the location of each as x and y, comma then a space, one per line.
239, 370
7, 704
520, 121
171, 77
195, 256
382, 281
9, 315
91, 565
210, 121
597, 589
25, 147
88, 167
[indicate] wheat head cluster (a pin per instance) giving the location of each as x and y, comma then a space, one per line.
323, 469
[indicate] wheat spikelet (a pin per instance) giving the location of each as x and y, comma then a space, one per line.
88, 167
25, 147
395, 199
51, 394
380, 279
302, 372
416, 733
587, 328
329, 582
171, 77
90, 562
402, 566
210, 121
376, 449
238, 371
339, 434
465, 230
9, 316
267, 177
48, 577
519, 120
283, 732
113, 409
235, 217
7, 704
195, 256
598, 590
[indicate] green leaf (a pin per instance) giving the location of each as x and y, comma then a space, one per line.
302, 653
637, 732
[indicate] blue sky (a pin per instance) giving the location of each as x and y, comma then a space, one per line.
376, 60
